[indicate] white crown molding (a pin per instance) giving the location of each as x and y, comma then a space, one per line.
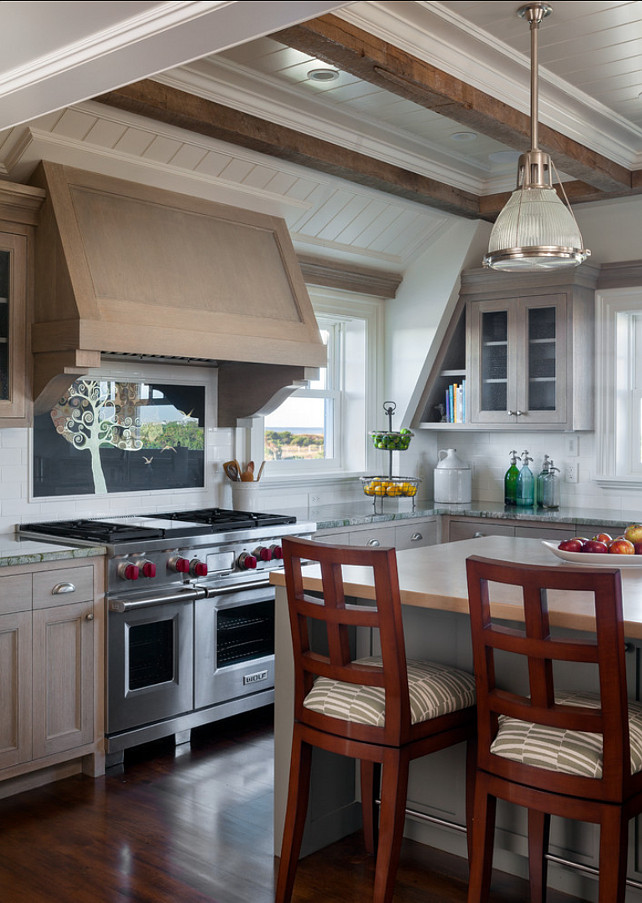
125, 33
430, 32
167, 35
222, 82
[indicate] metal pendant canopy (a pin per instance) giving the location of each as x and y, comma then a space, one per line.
536, 229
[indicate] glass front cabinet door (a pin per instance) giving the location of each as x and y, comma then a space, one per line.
13, 348
517, 360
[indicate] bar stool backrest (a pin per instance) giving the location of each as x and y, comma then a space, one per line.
322, 625
540, 649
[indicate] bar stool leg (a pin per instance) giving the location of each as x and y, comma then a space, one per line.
394, 788
296, 810
614, 832
370, 781
481, 864
539, 826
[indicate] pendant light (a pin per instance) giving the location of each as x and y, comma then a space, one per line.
536, 230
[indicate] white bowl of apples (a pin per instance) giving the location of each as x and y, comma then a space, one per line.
624, 550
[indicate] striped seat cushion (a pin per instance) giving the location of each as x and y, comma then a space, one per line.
434, 690
556, 749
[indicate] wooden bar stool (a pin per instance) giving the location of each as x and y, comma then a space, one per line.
559, 753
383, 711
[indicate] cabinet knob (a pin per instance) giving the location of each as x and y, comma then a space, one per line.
416, 537
90, 616
63, 588
374, 542
515, 413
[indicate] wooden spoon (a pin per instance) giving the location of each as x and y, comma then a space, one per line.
231, 469
247, 476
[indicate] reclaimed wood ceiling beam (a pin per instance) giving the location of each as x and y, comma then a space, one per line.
206, 117
371, 59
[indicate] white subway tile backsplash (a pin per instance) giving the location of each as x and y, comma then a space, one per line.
14, 438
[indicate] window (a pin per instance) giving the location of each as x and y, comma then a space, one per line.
322, 428
619, 387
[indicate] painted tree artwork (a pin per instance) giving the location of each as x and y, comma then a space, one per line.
89, 419
107, 435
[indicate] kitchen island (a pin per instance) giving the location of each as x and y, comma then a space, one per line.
436, 623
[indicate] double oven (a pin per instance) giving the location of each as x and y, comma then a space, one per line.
190, 624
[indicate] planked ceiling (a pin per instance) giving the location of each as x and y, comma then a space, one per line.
432, 99
426, 119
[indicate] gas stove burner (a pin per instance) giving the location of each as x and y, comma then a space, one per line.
127, 529
94, 530
224, 519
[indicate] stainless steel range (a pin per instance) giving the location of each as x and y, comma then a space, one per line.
190, 626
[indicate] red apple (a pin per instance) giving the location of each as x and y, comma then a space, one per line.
621, 547
638, 548
634, 533
604, 537
595, 547
571, 545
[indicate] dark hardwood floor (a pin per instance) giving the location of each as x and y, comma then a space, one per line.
193, 825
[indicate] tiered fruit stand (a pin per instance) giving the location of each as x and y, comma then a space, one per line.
380, 487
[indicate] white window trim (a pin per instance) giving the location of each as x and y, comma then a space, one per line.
337, 303
613, 467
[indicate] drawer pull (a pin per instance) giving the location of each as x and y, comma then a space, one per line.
374, 542
416, 537
478, 534
61, 588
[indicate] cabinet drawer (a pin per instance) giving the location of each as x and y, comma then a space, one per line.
15, 593
467, 530
543, 531
59, 587
413, 536
375, 538
335, 539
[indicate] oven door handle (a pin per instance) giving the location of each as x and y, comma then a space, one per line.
213, 591
188, 595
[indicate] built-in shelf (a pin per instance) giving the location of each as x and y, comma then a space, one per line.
557, 309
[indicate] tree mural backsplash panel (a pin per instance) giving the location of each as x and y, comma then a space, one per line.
106, 436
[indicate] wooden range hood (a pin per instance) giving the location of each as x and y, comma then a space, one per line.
129, 269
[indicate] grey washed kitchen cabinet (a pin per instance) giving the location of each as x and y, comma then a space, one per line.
524, 346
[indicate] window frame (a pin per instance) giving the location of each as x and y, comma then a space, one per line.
618, 387
356, 457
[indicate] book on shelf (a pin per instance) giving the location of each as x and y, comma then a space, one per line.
456, 403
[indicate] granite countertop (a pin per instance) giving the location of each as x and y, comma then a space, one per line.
15, 551
360, 513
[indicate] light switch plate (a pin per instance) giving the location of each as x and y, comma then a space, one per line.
572, 445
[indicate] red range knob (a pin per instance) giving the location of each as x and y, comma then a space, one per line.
198, 568
148, 569
180, 565
277, 552
247, 562
263, 553
128, 571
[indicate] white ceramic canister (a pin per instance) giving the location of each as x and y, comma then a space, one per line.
453, 483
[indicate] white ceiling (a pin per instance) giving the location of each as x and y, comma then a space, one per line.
58, 55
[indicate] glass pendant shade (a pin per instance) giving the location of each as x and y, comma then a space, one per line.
534, 231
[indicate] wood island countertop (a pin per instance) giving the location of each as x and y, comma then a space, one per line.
434, 577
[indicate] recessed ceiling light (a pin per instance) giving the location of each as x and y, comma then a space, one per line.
323, 75
463, 136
